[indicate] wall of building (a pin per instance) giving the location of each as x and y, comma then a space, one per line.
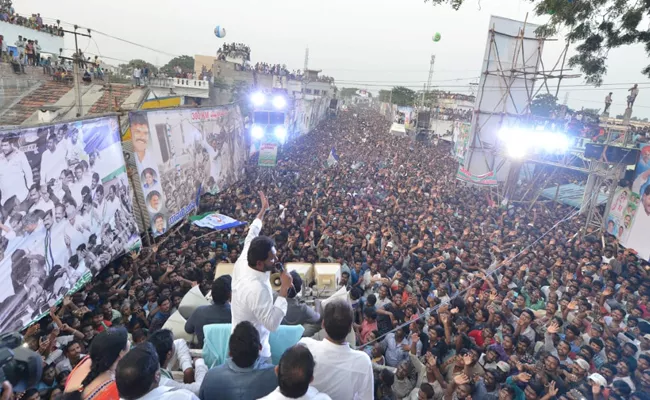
49, 43
203, 61
13, 86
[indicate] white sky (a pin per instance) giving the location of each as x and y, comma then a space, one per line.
361, 43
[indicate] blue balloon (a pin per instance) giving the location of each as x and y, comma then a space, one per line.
220, 31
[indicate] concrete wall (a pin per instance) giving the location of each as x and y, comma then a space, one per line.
13, 87
49, 43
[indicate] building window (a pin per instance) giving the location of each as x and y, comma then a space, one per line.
324, 93
307, 91
316, 92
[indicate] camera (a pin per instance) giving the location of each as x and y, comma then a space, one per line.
19, 365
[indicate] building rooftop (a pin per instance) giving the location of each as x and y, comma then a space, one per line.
57, 97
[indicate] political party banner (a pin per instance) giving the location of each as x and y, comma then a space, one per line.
629, 214
482, 180
66, 212
216, 221
268, 155
177, 151
462, 132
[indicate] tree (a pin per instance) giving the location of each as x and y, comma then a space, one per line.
185, 62
543, 105
239, 92
384, 96
402, 96
595, 26
127, 69
348, 92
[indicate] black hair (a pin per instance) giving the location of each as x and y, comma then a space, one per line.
244, 346
163, 342
370, 313
104, 351
297, 285
427, 389
136, 372
337, 320
221, 289
371, 300
139, 119
295, 371
259, 250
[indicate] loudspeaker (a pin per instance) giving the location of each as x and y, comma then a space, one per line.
276, 282
191, 301
614, 154
223, 269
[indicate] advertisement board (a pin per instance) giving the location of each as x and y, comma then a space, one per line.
66, 212
629, 214
178, 151
268, 155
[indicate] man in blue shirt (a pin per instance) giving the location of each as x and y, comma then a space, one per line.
244, 375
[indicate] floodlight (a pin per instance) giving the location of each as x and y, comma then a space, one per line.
279, 102
257, 132
258, 99
280, 132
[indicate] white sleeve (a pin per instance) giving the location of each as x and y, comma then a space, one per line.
267, 311
367, 387
200, 370
192, 387
182, 354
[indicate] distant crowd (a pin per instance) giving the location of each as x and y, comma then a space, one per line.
8, 14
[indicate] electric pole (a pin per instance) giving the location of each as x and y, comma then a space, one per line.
77, 60
433, 61
306, 60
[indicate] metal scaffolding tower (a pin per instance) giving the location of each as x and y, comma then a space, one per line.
433, 61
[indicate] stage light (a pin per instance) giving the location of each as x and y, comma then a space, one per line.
280, 132
279, 102
258, 99
520, 141
257, 132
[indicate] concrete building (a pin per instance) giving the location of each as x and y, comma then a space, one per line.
34, 98
49, 43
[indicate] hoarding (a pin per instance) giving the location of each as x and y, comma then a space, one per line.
178, 151
66, 212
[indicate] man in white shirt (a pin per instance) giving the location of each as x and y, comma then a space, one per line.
74, 147
177, 354
341, 372
252, 296
52, 161
138, 375
15, 172
295, 373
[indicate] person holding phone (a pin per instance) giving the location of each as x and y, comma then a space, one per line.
252, 296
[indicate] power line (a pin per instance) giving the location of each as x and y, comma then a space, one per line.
115, 38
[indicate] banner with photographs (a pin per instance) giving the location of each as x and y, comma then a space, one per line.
268, 155
179, 151
462, 131
629, 214
66, 212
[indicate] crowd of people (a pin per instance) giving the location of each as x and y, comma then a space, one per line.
454, 114
8, 14
239, 48
451, 296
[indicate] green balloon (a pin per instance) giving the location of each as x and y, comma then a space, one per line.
436, 37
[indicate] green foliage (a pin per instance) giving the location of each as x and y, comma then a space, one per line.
400, 95
594, 27
185, 62
348, 92
127, 69
543, 105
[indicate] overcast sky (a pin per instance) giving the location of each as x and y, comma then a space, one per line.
361, 43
